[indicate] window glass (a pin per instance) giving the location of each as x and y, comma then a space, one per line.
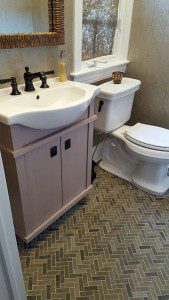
99, 27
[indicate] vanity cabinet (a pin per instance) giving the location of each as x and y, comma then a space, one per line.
74, 148
48, 176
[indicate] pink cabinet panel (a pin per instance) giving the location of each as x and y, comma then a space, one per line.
74, 151
43, 167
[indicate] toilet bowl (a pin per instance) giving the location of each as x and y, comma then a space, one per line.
139, 153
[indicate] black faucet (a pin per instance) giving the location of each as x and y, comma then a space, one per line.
14, 85
28, 77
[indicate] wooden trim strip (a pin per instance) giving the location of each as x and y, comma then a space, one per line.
89, 154
49, 139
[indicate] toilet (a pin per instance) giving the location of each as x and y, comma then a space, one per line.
139, 153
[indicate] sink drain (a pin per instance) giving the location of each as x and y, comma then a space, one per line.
37, 97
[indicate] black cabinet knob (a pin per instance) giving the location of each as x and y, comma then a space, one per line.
67, 144
53, 151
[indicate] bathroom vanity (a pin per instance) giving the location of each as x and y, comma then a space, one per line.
47, 170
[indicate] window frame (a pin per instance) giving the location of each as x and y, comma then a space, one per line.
115, 62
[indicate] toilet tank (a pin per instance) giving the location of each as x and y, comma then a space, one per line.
114, 104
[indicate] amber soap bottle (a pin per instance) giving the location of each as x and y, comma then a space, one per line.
62, 67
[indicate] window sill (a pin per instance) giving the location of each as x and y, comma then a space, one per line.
100, 72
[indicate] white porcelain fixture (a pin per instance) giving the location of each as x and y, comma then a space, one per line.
140, 153
57, 106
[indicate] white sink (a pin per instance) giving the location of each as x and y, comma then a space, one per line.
57, 106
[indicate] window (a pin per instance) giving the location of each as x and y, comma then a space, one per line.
101, 38
99, 27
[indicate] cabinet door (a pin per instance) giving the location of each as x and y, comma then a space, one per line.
43, 167
74, 148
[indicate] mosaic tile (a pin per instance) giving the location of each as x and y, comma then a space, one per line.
112, 245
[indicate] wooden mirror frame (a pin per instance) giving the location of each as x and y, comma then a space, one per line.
55, 36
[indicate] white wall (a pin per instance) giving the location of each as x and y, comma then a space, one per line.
9, 256
3, 286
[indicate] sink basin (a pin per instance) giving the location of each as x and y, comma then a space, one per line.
57, 106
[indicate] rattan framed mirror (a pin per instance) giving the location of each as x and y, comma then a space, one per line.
55, 35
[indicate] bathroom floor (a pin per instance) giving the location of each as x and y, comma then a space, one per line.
113, 245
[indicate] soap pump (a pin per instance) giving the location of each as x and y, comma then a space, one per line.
62, 67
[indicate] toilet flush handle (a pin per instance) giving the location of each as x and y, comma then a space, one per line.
101, 103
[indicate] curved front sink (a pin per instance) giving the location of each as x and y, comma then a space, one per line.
57, 106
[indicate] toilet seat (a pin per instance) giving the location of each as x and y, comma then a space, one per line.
140, 149
146, 136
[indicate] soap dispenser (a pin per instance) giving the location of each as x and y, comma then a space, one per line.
62, 67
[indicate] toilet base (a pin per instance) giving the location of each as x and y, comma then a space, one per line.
147, 175
148, 185
115, 171
116, 160
152, 178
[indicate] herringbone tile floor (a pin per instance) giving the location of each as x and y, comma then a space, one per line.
113, 245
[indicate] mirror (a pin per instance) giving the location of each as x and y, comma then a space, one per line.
31, 23
23, 16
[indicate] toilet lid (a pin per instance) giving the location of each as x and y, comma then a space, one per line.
111, 91
148, 136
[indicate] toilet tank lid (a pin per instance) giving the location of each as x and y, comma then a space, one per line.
149, 136
111, 91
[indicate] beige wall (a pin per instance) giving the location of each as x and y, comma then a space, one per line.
13, 61
149, 56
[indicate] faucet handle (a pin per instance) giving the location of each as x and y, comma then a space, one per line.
43, 78
14, 85
27, 69
3, 81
